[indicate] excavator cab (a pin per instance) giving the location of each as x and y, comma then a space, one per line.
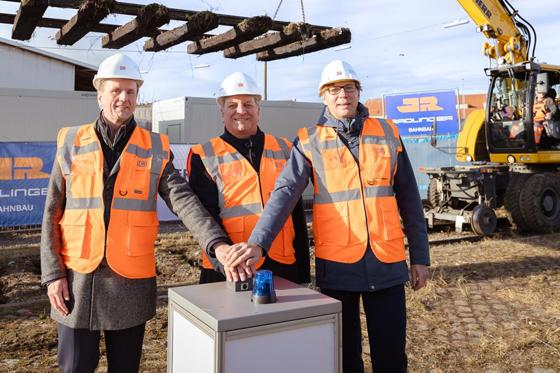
512, 131
512, 147
508, 117
518, 170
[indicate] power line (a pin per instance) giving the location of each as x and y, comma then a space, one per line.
398, 33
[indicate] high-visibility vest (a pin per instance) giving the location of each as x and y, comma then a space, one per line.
354, 202
242, 192
539, 111
129, 241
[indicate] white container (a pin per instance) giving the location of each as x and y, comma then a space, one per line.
193, 120
215, 330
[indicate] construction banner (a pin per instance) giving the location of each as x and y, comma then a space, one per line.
24, 178
416, 113
25, 169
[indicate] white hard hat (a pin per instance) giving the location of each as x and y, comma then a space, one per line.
118, 66
238, 83
337, 71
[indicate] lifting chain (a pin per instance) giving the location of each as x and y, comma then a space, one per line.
302, 11
277, 9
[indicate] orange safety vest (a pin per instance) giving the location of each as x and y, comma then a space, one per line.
242, 192
129, 241
354, 202
539, 111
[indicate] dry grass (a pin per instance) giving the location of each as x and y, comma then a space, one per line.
491, 306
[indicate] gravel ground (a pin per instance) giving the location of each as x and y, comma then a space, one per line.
491, 306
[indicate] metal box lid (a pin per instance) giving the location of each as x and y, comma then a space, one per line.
222, 309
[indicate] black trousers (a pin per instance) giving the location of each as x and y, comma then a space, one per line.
385, 312
78, 349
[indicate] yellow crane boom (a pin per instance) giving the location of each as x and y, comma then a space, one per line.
514, 158
497, 22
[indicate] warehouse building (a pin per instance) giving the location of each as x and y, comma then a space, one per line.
41, 92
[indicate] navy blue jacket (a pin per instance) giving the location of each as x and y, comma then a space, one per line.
369, 273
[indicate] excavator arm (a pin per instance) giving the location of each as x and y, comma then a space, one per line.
496, 19
522, 175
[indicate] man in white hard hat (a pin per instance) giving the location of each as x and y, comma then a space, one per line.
100, 225
364, 184
233, 175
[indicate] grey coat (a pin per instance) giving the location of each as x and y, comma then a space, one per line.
104, 300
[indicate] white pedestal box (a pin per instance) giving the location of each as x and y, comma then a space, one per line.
212, 329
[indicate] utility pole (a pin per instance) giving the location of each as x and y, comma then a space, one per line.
265, 82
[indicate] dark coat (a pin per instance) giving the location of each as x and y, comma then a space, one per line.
104, 300
207, 191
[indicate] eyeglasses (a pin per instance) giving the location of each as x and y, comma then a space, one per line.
348, 88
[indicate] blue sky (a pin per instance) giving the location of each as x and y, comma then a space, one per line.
397, 46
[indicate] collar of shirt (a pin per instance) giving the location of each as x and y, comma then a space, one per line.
251, 148
122, 133
347, 125
227, 136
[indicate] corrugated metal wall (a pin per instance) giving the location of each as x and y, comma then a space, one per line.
34, 115
26, 70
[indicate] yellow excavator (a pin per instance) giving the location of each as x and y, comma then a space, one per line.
512, 152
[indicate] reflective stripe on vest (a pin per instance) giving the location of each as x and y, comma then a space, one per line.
354, 202
129, 242
242, 192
